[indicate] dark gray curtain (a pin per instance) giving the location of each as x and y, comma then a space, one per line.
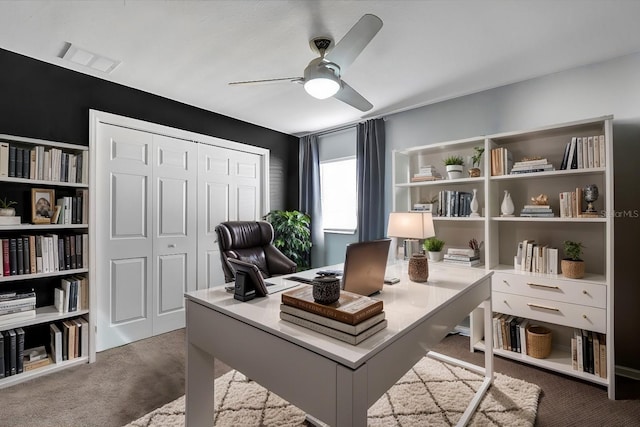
370, 147
310, 202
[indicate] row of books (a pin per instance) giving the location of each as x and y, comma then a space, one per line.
529, 166
571, 205
72, 209
454, 203
43, 164
11, 352
584, 152
69, 339
536, 258
352, 319
509, 333
48, 253
589, 352
17, 305
501, 161
72, 295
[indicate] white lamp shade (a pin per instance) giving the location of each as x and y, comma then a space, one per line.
411, 225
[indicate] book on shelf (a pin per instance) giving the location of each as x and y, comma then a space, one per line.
4, 159
19, 350
455, 257
10, 347
2, 363
10, 220
461, 251
334, 333
335, 324
350, 308
55, 344
31, 365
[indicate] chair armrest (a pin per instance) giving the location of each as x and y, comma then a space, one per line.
277, 261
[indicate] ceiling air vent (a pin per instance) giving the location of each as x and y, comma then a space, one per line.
85, 58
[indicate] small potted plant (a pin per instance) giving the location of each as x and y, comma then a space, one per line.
476, 160
433, 246
454, 166
6, 208
572, 266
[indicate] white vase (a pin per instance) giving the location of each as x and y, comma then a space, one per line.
474, 204
507, 205
435, 256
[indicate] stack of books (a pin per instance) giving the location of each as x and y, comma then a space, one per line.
466, 257
536, 211
352, 319
529, 166
426, 173
17, 306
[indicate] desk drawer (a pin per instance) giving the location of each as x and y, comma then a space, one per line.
570, 291
572, 315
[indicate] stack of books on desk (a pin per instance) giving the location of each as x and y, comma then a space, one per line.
458, 256
353, 318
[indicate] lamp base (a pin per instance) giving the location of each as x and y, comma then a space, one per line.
411, 246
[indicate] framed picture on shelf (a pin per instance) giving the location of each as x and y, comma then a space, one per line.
42, 205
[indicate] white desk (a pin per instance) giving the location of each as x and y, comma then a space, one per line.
330, 380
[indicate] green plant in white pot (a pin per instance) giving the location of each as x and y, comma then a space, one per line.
454, 166
6, 207
433, 246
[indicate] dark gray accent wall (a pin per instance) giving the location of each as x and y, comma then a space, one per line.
41, 100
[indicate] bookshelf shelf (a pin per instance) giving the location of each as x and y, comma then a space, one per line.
46, 251
501, 235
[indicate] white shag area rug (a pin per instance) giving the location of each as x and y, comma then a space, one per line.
430, 394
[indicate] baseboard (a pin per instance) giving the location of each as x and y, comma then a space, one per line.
627, 372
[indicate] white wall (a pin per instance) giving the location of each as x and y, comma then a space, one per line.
611, 87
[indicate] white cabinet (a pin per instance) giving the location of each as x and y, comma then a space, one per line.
562, 305
42, 170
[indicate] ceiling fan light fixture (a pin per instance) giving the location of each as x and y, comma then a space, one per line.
321, 80
321, 88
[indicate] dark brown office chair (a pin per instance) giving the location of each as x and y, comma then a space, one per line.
251, 241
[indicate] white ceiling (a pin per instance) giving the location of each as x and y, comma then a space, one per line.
427, 51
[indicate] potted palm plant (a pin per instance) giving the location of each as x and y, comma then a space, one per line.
433, 246
572, 266
454, 166
476, 160
292, 231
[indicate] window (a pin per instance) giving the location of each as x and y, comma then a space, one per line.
338, 194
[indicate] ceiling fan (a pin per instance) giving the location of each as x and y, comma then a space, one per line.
322, 77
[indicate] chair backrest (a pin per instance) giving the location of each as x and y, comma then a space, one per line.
249, 241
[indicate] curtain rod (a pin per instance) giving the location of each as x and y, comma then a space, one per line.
342, 127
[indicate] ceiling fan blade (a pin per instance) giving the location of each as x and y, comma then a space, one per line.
358, 37
266, 81
348, 95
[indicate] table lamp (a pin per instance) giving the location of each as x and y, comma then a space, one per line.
413, 226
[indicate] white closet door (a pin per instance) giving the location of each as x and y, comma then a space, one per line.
124, 236
229, 188
174, 227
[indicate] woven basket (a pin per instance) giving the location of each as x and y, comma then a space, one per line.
538, 341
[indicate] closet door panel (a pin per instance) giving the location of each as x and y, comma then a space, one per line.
175, 238
124, 236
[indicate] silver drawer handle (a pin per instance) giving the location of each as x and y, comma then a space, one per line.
544, 307
543, 286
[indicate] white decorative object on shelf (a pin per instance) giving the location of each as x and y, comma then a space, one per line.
474, 204
507, 207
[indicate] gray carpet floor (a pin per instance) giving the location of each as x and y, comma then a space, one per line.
130, 381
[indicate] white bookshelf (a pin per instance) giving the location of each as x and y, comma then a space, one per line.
37, 328
502, 234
